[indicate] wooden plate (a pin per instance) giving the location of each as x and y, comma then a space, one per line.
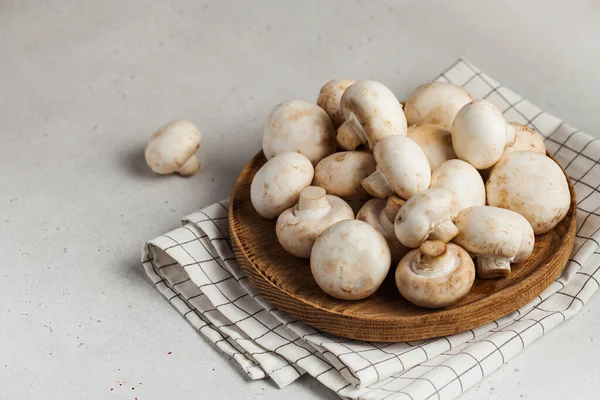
286, 281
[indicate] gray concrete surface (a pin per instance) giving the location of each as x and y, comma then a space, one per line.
84, 83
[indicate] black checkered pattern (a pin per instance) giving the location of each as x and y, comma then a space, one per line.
195, 269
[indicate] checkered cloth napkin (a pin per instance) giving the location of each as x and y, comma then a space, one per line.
195, 269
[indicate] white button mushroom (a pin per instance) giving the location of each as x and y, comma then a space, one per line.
427, 215
463, 179
480, 133
381, 214
402, 167
435, 141
278, 183
496, 237
527, 139
532, 185
341, 173
372, 112
172, 149
435, 275
350, 260
330, 98
299, 126
437, 103
298, 227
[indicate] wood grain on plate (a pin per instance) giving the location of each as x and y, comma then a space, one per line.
286, 281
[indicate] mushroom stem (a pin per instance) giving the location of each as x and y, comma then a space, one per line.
493, 267
444, 231
433, 259
392, 206
511, 135
377, 184
190, 167
312, 197
349, 135
313, 203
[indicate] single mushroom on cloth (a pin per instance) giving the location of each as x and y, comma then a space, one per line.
402, 168
278, 183
436, 103
330, 99
428, 215
299, 126
435, 275
435, 141
172, 149
463, 179
496, 237
371, 112
532, 185
480, 133
298, 227
350, 260
381, 214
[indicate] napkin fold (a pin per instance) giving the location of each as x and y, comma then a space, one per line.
195, 269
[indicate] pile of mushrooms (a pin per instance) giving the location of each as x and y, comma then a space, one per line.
443, 187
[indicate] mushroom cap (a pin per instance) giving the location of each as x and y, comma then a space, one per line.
404, 164
435, 289
480, 133
527, 139
341, 173
172, 146
330, 98
421, 213
297, 232
463, 179
532, 185
374, 213
278, 183
299, 126
435, 141
437, 103
350, 260
374, 110
493, 231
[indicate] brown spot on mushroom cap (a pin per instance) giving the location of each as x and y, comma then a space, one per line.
278, 183
493, 231
299, 126
435, 141
330, 97
436, 102
170, 147
375, 110
350, 260
298, 113
341, 173
526, 139
532, 185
